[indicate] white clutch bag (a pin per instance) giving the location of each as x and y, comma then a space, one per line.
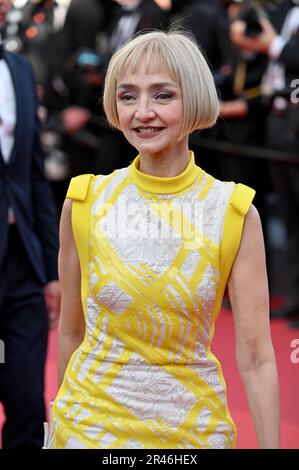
48, 432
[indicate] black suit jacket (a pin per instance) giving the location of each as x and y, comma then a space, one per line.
23, 185
153, 17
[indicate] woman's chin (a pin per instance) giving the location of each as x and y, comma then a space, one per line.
149, 147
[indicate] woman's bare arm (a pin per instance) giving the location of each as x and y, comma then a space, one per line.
248, 291
71, 325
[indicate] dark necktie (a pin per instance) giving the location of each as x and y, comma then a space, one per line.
128, 12
1, 51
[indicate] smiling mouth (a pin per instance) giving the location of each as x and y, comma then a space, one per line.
148, 130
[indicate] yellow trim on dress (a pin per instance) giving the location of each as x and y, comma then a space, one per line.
163, 185
80, 191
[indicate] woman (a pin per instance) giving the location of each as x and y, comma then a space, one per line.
146, 253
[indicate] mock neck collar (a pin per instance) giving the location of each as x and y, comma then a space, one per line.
165, 185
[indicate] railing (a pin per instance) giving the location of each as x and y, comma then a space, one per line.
244, 150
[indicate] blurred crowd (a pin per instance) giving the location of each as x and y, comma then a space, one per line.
252, 48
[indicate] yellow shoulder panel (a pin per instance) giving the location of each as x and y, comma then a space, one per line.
78, 187
80, 190
237, 209
242, 197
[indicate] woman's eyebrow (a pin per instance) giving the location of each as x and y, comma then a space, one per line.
130, 86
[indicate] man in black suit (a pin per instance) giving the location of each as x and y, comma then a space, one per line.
134, 16
203, 19
280, 41
28, 253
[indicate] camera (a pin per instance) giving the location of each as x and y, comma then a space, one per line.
249, 12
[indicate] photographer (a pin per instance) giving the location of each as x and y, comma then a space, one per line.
239, 82
239, 77
279, 40
79, 121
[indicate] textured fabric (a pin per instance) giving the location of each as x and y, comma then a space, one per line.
152, 286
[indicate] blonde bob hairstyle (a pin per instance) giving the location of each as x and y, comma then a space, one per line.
176, 52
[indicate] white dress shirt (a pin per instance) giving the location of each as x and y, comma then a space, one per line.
8, 115
124, 30
290, 25
59, 13
8, 118
275, 76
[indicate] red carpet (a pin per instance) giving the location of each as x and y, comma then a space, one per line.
223, 348
288, 378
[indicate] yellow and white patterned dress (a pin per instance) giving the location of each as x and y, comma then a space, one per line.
155, 256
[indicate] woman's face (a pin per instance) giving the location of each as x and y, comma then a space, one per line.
150, 110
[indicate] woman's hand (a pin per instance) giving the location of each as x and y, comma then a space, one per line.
53, 300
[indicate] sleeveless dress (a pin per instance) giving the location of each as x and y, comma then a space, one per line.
155, 256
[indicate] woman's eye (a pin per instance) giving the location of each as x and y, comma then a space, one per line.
126, 98
164, 96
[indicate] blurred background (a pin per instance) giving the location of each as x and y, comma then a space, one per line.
70, 42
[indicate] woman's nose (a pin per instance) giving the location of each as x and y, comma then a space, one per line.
144, 111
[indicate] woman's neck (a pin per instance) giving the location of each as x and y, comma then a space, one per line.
165, 164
